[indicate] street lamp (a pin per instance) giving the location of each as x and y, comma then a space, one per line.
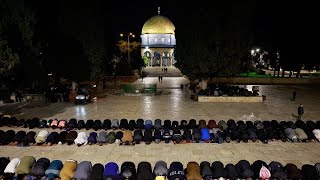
128, 36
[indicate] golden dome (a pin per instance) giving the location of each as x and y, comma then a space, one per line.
158, 25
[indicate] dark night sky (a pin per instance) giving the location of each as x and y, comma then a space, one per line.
297, 20
271, 21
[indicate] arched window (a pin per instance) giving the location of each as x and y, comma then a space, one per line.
169, 40
155, 39
149, 39
162, 39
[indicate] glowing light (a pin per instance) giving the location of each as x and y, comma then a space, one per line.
257, 50
121, 35
147, 47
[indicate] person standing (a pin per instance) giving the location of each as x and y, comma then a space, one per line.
159, 77
300, 111
294, 94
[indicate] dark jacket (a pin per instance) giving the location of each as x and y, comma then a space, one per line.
62, 136
187, 135
119, 135
4, 161
132, 125
157, 124
277, 171
309, 172
183, 124
71, 136
244, 169
144, 171
300, 110
137, 136
124, 124
176, 135
34, 123
196, 134
7, 137
96, 172
148, 138
72, 124
218, 170
53, 138
176, 171
89, 124
97, 125
93, 137
106, 124
167, 124
175, 124
206, 171
192, 124
232, 172
19, 136
40, 167
30, 138
157, 134
140, 123
81, 124
166, 135
293, 172
128, 171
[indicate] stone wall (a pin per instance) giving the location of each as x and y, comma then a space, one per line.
241, 99
264, 81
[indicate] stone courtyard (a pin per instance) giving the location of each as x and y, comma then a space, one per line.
175, 104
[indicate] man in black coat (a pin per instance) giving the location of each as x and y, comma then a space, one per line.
300, 111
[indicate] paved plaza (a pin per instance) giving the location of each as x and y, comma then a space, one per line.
175, 104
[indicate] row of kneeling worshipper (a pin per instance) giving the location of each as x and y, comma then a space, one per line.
156, 124
237, 132
29, 168
127, 137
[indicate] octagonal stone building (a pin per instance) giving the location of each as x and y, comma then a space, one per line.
158, 41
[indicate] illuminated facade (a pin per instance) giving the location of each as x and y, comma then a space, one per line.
158, 41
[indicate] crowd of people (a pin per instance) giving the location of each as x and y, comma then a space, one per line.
131, 132
29, 168
222, 90
136, 131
